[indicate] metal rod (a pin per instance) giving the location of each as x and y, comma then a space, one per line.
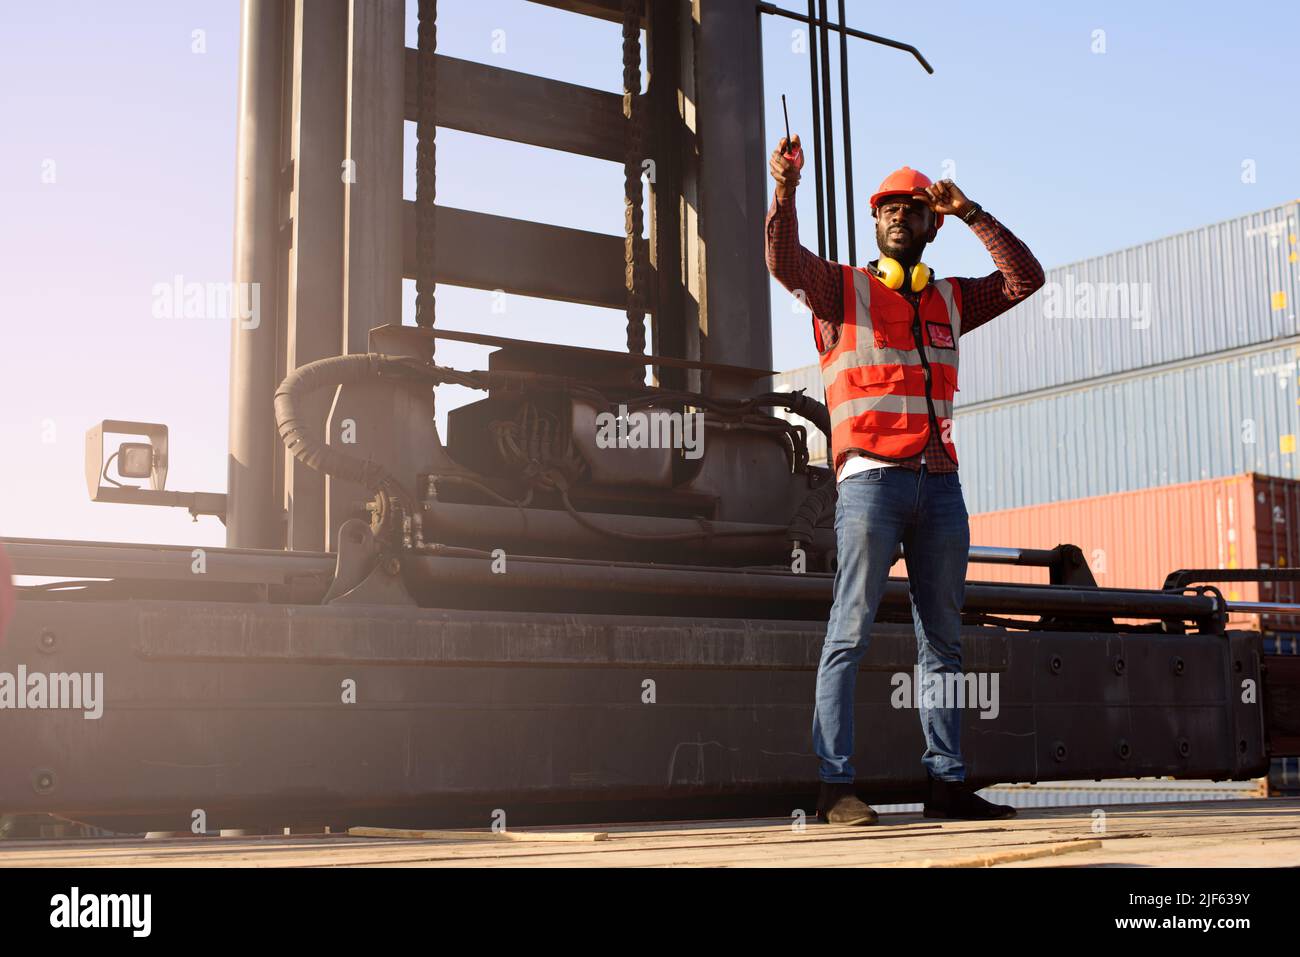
984, 554
121, 561
459, 524
59, 550
859, 34
817, 133
707, 582
828, 135
852, 252
998, 555
253, 515
556, 532
67, 544
1263, 608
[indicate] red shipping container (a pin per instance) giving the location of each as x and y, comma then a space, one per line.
1135, 539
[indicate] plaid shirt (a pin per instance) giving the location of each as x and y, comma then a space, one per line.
1017, 277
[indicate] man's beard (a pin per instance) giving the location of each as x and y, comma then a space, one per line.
908, 252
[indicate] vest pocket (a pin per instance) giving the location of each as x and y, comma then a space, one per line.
950, 376
890, 379
880, 392
895, 332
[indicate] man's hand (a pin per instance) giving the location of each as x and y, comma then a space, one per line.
784, 168
947, 198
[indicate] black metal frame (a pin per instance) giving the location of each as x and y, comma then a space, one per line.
235, 708
823, 131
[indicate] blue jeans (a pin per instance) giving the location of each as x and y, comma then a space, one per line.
878, 509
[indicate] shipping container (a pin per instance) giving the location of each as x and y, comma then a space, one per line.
1135, 539
1224, 286
1217, 416
1282, 642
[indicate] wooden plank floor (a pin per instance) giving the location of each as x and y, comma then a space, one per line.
1246, 833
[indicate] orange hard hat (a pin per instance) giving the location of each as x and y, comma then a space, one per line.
905, 182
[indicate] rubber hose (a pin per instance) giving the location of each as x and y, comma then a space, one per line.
800, 404
303, 441
810, 512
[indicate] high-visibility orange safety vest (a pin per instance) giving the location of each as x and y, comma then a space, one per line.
880, 388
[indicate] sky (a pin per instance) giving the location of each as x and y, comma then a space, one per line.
1084, 127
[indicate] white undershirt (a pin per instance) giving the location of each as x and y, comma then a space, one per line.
860, 463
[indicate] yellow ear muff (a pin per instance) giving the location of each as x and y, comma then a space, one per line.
920, 277
890, 272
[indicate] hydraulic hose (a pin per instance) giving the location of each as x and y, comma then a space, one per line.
810, 511
308, 447
800, 404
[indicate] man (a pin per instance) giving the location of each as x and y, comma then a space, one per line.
888, 340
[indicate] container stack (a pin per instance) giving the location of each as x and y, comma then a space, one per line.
1135, 539
1144, 405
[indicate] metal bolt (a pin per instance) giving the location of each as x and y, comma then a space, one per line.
1055, 664
392, 565
43, 781
46, 641
1123, 750
1184, 747
1179, 665
1058, 751
1119, 665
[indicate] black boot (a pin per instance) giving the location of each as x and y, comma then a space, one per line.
958, 800
838, 804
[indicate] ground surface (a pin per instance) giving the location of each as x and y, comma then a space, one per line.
1245, 833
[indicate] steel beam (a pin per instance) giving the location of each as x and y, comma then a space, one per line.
315, 281
611, 10
373, 210
253, 514
736, 325
372, 276
526, 258
508, 105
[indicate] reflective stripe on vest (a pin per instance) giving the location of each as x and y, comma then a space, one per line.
874, 377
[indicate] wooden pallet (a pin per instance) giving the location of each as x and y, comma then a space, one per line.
1248, 833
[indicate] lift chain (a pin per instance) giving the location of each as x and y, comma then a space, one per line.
425, 165
633, 217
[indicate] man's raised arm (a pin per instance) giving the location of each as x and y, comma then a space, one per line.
1018, 275
816, 281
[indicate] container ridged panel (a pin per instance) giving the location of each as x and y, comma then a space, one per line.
1223, 286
